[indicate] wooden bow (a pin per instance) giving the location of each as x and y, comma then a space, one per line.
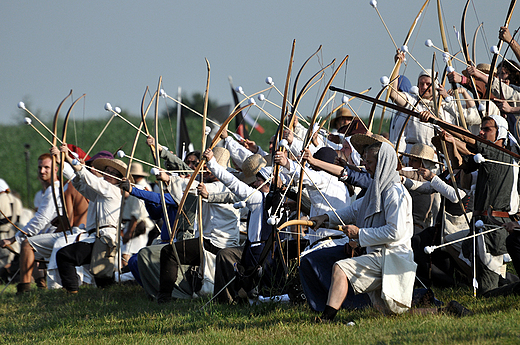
279, 136
132, 152
495, 56
62, 160
306, 142
465, 51
395, 71
158, 164
215, 141
448, 62
444, 125
62, 217
203, 147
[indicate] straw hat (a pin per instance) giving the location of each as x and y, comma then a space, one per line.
421, 151
342, 112
136, 169
119, 165
482, 67
250, 167
356, 126
360, 141
222, 156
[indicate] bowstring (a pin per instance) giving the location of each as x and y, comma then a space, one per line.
484, 35
260, 112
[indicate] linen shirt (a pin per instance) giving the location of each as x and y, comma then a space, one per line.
41, 222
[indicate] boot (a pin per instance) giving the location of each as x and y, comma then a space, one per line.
22, 287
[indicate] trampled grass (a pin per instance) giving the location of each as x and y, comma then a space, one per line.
123, 314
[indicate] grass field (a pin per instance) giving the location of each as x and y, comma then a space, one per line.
124, 315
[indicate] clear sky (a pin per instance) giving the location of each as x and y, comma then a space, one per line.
112, 50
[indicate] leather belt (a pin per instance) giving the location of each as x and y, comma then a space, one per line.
500, 214
101, 227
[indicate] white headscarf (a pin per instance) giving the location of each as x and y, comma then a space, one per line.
502, 127
385, 176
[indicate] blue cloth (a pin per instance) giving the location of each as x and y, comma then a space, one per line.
153, 206
404, 84
360, 179
316, 274
132, 263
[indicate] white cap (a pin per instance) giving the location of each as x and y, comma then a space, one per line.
21, 105
345, 99
27, 121
120, 154
373, 3
404, 48
384, 80
493, 49
117, 110
428, 43
269, 80
108, 107
261, 97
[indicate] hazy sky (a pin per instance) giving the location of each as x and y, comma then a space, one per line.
111, 50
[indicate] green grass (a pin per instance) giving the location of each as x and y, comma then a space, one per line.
123, 314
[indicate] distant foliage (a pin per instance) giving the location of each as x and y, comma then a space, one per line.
84, 133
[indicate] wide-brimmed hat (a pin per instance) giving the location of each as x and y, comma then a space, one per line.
342, 112
222, 156
360, 141
356, 126
119, 165
100, 154
136, 169
250, 167
421, 151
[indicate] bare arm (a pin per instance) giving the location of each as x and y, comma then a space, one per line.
505, 36
397, 97
332, 169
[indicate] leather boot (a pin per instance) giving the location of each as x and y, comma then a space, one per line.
23, 287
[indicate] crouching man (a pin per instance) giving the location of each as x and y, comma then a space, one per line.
384, 225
